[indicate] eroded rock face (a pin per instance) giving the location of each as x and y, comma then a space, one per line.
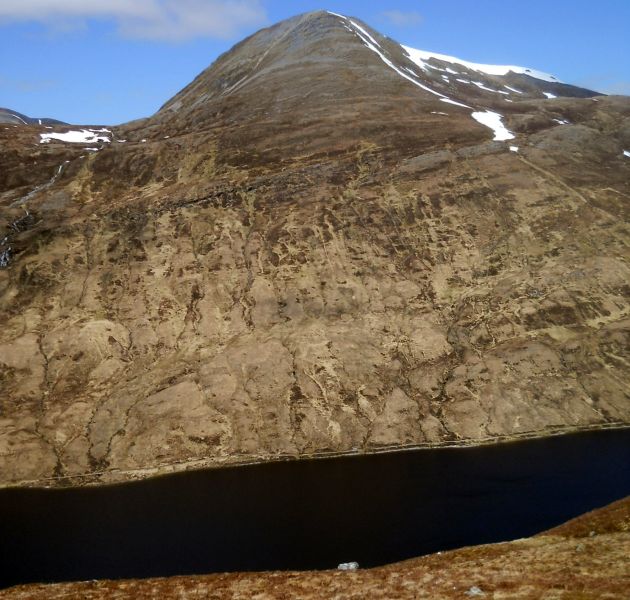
246, 289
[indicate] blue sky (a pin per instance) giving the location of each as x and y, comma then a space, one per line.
110, 61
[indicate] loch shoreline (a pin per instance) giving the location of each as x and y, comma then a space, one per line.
122, 476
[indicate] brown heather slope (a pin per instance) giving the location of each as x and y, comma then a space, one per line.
585, 559
300, 255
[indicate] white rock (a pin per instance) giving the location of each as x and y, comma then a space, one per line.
475, 591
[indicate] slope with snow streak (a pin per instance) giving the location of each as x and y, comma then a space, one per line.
18, 118
420, 58
373, 45
488, 118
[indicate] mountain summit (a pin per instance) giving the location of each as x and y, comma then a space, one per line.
336, 74
327, 243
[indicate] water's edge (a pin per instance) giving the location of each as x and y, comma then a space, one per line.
120, 476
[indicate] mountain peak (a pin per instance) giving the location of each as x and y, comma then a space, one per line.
339, 43
321, 71
313, 36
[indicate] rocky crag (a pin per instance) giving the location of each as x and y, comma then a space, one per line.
326, 243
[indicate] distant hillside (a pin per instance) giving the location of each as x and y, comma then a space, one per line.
15, 118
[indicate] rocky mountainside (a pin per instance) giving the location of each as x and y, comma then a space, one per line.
327, 243
12, 117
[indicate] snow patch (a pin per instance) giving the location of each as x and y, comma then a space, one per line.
513, 148
349, 566
421, 56
550, 95
626, 153
561, 121
81, 136
449, 101
483, 87
437, 112
507, 87
493, 121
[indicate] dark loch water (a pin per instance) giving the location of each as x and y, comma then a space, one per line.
311, 514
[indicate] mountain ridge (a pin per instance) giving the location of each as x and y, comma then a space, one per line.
12, 117
316, 17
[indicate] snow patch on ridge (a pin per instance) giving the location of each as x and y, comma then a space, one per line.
493, 121
626, 153
364, 32
421, 56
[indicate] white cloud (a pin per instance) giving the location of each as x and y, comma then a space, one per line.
400, 18
172, 20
